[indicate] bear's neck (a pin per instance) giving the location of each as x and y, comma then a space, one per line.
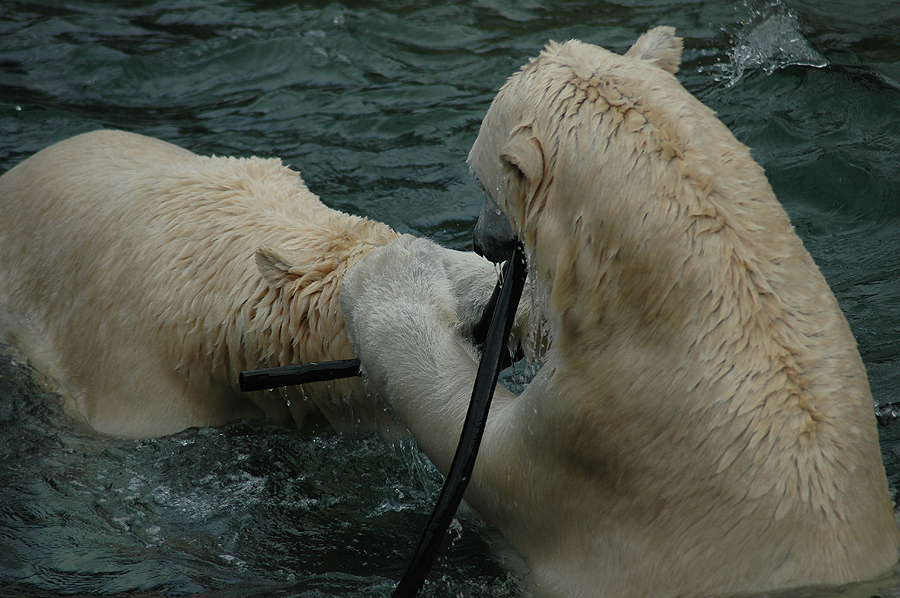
709, 308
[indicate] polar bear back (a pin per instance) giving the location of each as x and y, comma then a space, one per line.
141, 278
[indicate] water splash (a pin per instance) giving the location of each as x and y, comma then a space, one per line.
770, 40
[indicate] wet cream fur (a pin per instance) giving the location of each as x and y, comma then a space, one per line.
703, 424
141, 278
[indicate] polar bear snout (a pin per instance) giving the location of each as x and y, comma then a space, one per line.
493, 237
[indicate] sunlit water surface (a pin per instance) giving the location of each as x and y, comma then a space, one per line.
377, 104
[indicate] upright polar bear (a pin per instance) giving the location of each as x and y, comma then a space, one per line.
703, 424
141, 278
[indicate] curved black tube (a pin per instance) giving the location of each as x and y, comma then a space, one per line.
473, 428
492, 332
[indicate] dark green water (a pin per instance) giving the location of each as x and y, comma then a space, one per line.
377, 104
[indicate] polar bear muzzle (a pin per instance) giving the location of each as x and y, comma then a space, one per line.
493, 237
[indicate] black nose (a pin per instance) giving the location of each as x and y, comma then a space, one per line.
492, 248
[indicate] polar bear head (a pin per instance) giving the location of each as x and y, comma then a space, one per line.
522, 135
611, 173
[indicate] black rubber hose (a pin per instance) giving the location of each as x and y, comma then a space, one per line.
493, 332
473, 428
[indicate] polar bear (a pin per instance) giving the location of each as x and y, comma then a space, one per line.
140, 279
702, 424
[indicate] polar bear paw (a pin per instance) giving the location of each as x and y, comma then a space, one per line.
399, 305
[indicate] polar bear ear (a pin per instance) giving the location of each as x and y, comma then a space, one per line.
659, 46
523, 152
275, 266
279, 267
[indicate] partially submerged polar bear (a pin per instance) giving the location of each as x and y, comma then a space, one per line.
141, 278
703, 423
